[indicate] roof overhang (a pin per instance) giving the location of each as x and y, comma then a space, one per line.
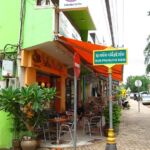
56, 50
77, 11
85, 50
81, 19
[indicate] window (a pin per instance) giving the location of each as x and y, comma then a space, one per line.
43, 2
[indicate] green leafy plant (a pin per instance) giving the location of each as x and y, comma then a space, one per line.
116, 115
9, 102
26, 105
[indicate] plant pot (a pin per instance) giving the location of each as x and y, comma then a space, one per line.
16, 144
38, 142
28, 144
105, 130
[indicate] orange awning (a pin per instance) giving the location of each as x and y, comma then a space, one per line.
85, 50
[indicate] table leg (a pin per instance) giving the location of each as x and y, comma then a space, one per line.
57, 133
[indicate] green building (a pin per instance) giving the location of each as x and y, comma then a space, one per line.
31, 26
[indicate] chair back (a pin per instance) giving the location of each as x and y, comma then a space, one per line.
95, 121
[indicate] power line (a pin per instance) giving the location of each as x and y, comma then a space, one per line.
110, 21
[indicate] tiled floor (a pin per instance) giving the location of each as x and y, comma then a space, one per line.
83, 140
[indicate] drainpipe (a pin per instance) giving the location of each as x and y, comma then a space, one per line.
20, 42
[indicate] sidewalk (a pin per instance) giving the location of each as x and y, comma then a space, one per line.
134, 131
134, 128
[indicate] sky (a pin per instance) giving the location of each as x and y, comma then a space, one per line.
133, 27
136, 30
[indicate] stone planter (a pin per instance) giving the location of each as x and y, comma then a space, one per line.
28, 144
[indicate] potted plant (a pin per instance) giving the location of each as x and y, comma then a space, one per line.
26, 105
9, 104
116, 116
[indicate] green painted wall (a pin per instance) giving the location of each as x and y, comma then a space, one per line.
38, 25
9, 22
5, 131
9, 31
38, 28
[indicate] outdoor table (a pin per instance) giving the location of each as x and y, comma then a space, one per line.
58, 121
88, 115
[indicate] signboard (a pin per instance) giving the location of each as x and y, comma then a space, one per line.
112, 56
138, 83
71, 4
76, 65
66, 29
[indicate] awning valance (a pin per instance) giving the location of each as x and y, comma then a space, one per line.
85, 50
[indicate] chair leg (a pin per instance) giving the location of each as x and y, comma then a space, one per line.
84, 129
89, 127
59, 133
49, 136
100, 131
101, 127
68, 129
44, 134
71, 134
85, 126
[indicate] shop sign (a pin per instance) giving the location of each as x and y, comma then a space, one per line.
66, 29
71, 4
43, 62
112, 56
76, 65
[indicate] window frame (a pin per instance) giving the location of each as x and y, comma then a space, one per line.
50, 5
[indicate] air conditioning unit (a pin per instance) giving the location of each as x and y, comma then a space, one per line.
13, 82
2, 84
7, 68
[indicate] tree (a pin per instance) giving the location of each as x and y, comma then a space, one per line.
147, 55
131, 83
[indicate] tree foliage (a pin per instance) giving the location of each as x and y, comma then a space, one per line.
147, 55
131, 83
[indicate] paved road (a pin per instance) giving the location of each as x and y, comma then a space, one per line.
134, 131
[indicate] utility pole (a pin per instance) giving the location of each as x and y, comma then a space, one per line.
111, 142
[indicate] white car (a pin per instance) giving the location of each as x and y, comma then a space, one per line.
143, 93
145, 99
